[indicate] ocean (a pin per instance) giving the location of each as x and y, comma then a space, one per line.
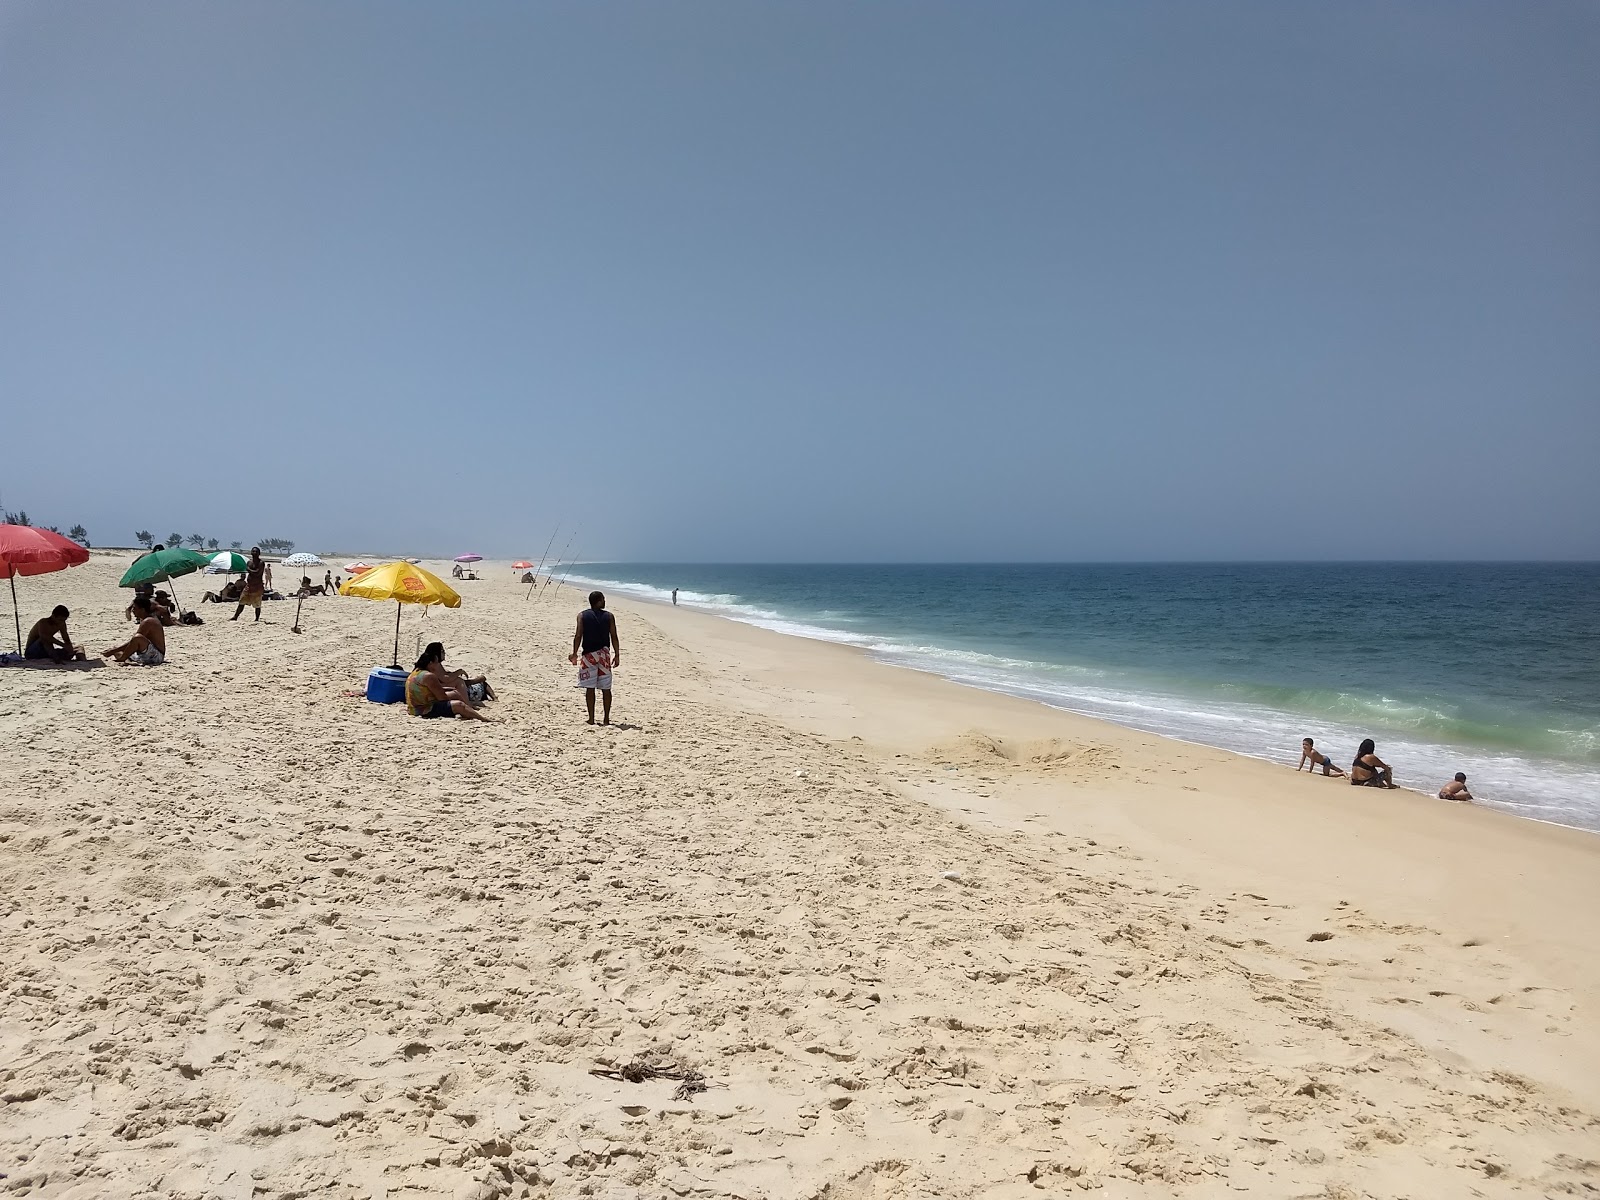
1488, 668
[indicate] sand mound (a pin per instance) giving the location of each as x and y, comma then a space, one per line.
976, 749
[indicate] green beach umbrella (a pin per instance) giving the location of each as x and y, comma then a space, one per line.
160, 566
229, 561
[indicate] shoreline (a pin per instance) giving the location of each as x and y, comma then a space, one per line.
868, 655
1532, 887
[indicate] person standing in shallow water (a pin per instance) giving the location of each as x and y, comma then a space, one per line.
595, 650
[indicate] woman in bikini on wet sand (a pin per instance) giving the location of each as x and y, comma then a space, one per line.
1368, 770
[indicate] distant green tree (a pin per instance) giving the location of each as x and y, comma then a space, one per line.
79, 534
145, 538
212, 543
235, 545
16, 518
197, 540
174, 540
53, 528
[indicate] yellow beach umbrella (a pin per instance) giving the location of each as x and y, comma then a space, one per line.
404, 583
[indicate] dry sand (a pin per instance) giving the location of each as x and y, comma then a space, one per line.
259, 938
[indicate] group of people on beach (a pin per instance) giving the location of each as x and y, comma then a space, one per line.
1368, 770
434, 690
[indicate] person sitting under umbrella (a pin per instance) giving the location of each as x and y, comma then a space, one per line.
431, 691
144, 591
43, 638
477, 686
148, 645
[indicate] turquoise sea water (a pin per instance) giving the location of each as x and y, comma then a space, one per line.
1488, 668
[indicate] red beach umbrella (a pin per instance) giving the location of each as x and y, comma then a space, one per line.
25, 550
521, 566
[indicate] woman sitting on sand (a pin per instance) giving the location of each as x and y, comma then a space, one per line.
1368, 770
431, 691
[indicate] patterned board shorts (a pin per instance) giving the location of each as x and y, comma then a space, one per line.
594, 669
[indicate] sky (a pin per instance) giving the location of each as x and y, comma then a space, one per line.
719, 282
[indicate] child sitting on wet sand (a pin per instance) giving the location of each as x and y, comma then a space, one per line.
1456, 789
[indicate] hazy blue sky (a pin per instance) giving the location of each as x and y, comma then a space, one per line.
722, 281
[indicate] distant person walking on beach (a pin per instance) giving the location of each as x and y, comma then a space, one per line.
595, 650
1456, 789
674, 597
1311, 758
1368, 770
254, 584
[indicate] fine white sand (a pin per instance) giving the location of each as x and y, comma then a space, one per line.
259, 938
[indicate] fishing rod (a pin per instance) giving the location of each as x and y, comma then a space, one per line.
563, 578
556, 564
542, 557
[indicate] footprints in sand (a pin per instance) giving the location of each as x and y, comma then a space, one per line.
393, 975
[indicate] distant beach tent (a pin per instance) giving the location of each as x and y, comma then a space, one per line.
413, 561
467, 558
404, 583
25, 550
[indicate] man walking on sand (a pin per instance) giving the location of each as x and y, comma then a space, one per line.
595, 639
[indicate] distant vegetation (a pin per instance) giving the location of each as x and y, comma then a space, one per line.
198, 541
77, 533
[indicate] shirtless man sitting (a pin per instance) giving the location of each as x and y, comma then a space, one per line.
43, 638
1456, 789
148, 645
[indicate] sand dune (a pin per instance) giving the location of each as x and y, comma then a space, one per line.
262, 938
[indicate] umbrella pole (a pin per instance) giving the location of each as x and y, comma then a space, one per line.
397, 635
175, 599
297, 605
16, 613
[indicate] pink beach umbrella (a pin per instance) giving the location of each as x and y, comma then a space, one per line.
467, 558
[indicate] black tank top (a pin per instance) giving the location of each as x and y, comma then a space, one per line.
596, 629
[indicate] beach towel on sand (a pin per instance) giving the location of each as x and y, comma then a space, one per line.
594, 669
45, 664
